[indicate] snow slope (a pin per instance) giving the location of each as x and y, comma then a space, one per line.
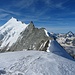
10, 31
56, 48
35, 63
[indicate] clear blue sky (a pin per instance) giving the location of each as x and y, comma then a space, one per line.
54, 15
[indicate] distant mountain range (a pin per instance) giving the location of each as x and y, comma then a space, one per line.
68, 42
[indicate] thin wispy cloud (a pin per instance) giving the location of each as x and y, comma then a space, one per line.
30, 6
42, 12
9, 12
3, 15
23, 3
53, 4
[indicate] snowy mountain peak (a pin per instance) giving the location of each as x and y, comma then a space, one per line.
14, 21
69, 34
13, 18
10, 32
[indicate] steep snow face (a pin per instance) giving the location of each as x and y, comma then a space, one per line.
56, 48
35, 63
10, 31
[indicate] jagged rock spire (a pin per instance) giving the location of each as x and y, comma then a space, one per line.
31, 22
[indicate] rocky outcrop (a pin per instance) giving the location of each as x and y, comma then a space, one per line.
32, 39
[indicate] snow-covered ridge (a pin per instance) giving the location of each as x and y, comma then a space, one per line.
46, 32
10, 31
56, 48
35, 63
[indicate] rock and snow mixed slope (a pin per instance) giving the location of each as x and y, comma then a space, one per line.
32, 39
35, 63
15, 35
10, 32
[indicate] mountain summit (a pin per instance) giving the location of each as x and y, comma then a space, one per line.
10, 32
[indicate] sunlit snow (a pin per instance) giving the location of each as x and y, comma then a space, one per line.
11, 31
35, 63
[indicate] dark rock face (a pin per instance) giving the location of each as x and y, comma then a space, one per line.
73, 42
32, 39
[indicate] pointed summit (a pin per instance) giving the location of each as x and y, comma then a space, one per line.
11, 31
11, 21
70, 34
31, 23
14, 22
14, 19
31, 26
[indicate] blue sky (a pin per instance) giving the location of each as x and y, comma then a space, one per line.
55, 15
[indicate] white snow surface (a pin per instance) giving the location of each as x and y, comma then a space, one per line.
35, 63
11, 31
46, 32
56, 48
